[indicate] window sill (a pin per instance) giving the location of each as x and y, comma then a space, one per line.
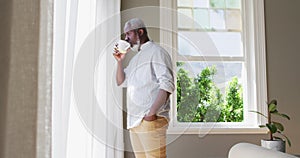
204, 131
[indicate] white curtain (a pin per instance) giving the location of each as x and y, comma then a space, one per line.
87, 105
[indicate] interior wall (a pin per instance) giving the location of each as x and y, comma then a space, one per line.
282, 33
19, 43
5, 23
128, 12
283, 45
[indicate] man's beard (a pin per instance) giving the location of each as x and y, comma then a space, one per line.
136, 47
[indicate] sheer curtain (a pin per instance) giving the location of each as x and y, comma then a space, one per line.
87, 105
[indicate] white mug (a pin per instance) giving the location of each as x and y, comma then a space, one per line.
123, 46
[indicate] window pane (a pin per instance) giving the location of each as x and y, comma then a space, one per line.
188, 45
234, 4
201, 3
217, 3
185, 18
226, 44
209, 92
217, 19
233, 20
201, 18
185, 3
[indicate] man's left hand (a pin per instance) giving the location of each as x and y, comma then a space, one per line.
150, 117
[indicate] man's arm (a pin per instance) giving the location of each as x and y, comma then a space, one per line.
162, 66
160, 100
120, 77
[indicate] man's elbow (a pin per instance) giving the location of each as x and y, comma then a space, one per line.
119, 83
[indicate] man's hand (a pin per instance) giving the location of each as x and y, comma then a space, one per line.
160, 100
118, 56
150, 117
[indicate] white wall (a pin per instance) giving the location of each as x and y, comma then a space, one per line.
283, 45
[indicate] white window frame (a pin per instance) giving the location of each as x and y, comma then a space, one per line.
254, 46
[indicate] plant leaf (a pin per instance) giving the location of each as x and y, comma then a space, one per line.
274, 101
279, 131
272, 107
288, 140
262, 126
272, 128
282, 115
277, 137
279, 126
285, 116
275, 111
259, 113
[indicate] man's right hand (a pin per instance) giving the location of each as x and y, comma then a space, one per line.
118, 56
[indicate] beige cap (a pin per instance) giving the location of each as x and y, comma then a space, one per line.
133, 24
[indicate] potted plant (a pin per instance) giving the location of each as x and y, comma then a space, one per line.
277, 137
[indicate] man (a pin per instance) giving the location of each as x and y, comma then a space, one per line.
149, 80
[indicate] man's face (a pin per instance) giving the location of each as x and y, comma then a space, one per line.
131, 37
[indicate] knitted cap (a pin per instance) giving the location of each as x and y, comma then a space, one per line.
133, 24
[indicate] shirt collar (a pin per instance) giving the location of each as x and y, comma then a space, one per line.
145, 45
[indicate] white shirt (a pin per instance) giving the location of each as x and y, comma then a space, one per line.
148, 71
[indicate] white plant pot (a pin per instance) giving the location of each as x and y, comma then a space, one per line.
278, 145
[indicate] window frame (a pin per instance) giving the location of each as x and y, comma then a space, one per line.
255, 57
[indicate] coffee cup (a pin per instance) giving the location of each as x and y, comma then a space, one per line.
123, 46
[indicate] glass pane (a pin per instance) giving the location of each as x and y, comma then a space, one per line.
201, 18
217, 19
233, 20
187, 44
217, 3
185, 18
234, 4
213, 44
185, 3
201, 3
205, 91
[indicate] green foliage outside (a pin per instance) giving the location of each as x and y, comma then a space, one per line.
200, 100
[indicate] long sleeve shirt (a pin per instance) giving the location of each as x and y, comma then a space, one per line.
148, 71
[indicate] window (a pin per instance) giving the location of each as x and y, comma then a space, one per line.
219, 58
